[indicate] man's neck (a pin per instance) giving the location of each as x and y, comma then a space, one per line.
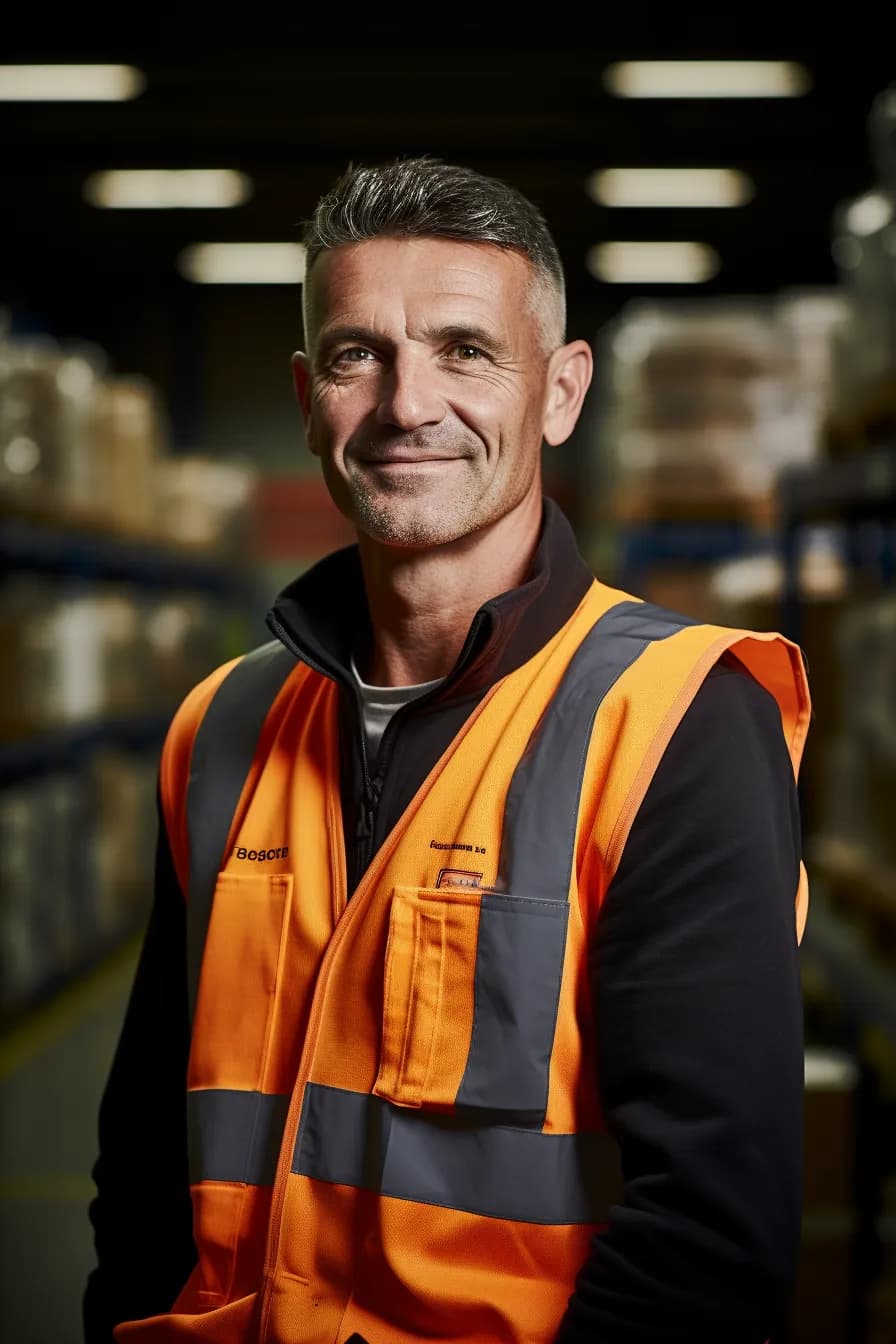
422, 602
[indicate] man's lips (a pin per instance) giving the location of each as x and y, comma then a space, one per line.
407, 460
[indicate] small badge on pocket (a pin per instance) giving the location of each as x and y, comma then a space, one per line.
458, 877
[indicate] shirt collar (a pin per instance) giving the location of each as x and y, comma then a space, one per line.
321, 614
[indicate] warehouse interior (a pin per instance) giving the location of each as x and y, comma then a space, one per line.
730, 254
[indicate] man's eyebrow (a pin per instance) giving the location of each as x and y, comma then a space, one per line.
334, 336
464, 333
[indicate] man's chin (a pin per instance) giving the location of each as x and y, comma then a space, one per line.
408, 528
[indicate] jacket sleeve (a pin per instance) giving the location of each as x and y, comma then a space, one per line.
142, 1216
699, 1036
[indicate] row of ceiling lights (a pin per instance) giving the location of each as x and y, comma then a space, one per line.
283, 263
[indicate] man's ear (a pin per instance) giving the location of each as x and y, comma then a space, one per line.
301, 376
569, 376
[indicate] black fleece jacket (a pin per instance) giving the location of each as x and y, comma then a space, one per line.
696, 985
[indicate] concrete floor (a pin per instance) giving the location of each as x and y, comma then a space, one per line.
52, 1072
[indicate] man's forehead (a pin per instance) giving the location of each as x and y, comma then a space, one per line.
421, 270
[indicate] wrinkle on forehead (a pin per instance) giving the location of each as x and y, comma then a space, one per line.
405, 286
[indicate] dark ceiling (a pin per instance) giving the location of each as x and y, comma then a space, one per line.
290, 111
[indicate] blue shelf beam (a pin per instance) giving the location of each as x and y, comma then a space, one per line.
641, 546
856, 492
44, 550
68, 748
853, 490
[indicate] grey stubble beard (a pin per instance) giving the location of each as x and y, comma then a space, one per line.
429, 525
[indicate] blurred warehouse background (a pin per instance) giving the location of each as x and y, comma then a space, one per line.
729, 238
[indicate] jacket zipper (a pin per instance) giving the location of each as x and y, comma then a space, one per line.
372, 785
371, 788
366, 828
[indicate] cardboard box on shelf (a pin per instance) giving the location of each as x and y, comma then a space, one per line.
706, 401
131, 449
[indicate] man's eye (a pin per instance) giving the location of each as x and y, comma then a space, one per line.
355, 354
468, 353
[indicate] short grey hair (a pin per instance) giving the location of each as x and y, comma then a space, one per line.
426, 198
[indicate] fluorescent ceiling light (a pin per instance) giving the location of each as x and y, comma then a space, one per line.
168, 189
70, 83
243, 263
700, 188
869, 214
653, 263
707, 79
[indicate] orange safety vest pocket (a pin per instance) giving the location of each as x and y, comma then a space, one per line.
241, 972
235, 1120
217, 1211
471, 990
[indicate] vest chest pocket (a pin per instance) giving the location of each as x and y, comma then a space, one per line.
235, 1114
472, 984
241, 974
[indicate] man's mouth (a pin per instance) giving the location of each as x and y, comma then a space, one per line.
406, 460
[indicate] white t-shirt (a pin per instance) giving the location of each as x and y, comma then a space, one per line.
379, 703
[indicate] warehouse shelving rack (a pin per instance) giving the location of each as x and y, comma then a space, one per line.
81, 560
857, 494
33, 547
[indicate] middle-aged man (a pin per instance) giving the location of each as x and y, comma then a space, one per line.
472, 970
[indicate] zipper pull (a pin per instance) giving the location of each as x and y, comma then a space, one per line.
364, 829
368, 808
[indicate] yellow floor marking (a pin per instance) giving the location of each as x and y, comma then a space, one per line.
60, 1189
68, 1009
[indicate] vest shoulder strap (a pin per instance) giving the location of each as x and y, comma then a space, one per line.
211, 746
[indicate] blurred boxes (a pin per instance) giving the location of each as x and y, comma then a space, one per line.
69, 658
97, 654
184, 636
31, 427
864, 250
123, 796
76, 867
748, 593
129, 454
101, 651
852, 843
86, 450
204, 505
709, 400
44, 870
866, 653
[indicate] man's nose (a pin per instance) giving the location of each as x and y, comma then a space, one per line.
410, 395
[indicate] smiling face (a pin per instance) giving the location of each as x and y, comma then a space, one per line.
427, 390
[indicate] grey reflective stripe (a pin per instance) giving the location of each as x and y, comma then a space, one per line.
519, 960
351, 1138
235, 1136
540, 816
223, 750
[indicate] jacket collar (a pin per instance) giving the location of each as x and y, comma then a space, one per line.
321, 615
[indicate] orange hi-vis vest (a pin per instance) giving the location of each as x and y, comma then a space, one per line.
395, 1126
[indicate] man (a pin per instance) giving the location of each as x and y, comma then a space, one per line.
497, 1034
